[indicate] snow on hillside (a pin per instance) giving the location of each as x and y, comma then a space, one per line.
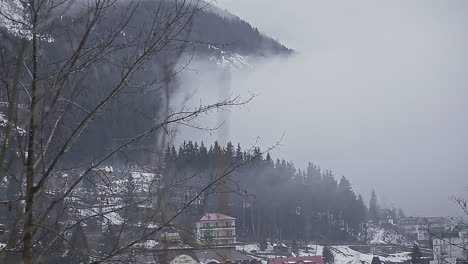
378, 235
227, 60
346, 255
12, 19
343, 254
249, 248
4, 122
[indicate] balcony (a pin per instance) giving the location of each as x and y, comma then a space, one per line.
224, 237
217, 227
220, 236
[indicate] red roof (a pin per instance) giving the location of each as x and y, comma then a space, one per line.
299, 260
214, 217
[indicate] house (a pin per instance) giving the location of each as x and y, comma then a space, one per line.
215, 229
281, 248
450, 246
298, 260
386, 216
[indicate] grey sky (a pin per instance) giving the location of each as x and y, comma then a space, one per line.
377, 93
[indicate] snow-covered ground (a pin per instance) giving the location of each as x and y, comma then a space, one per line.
228, 60
148, 244
249, 248
343, 254
4, 122
378, 235
346, 255
12, 19
15, 19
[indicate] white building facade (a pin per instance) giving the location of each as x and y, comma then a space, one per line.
215, 229
450, 247
421, 229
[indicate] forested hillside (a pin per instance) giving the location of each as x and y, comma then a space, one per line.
138, 106
233, 34
270, 198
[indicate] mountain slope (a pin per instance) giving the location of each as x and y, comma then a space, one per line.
215, 35
233, 34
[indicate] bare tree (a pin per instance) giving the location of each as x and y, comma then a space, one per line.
453, 240
46, 113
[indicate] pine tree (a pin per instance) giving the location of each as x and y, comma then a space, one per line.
416, 255
374, 208
131, 211
295, 247
239, 154
13, 189
108, 239
12, 192
54, 248
263, 243
327, 255
401, 214
230, 151
297, 204
79, 244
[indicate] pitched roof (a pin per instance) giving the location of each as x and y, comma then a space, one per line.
387, 213
214, 217
451, 232
412, 221
220, 255
299, 260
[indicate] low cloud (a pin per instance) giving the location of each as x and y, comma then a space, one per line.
378, 95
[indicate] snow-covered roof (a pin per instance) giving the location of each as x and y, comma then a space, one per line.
308, 259
214, 217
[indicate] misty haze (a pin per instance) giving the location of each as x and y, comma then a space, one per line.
233, 131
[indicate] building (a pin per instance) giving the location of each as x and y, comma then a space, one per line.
281, 248
386, 216
421, 229
414, 227
187, 255
298, 260
215, 229
170, 236
450, 247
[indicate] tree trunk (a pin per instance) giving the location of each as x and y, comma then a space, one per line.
28, 210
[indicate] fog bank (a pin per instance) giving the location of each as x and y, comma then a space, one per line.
377, 92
